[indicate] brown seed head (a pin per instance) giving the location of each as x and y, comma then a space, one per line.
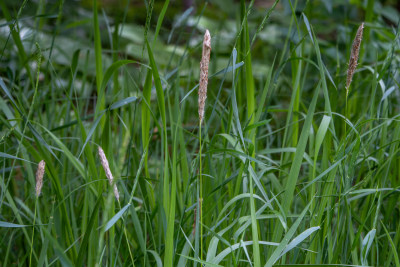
355, 50
39, 177
106, 167
205, 61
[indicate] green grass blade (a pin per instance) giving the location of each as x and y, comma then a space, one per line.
285, 240
116, 217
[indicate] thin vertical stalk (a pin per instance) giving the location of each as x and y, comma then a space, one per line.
33, 231
39, 184
201, 195
205, 61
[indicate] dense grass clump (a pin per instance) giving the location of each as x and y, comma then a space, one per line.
107, 159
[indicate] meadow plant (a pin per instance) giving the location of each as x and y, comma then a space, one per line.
265, 174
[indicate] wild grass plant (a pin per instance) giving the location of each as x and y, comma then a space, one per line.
292, 160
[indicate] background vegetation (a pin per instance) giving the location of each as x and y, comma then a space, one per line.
293, 172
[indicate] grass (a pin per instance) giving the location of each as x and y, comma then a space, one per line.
293, 171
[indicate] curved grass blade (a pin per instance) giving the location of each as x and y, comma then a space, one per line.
5, 155
89, 229
229, 250
123, 102
300, 238
156, 257
116, 217
12, 225
283, 244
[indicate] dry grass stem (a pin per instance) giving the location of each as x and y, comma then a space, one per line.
106, 167
355, 50
205, 61
39, 177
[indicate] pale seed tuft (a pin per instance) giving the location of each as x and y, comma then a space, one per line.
106, 167
355, 50
205, 61
39, 177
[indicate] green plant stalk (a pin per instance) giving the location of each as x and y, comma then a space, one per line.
17, 214
183, 158
250, 116
127, 241
161, 105
241, 55
160, 20
100, 105
200, 201
146, 129
354, 255
327, 142
26, 120
17, 39
123, 225
96, 260
7, 253
295, 168
369, 15
292, 124
292, 20
110, 204
41, 10
392, 246
97, 51
56, 29
296, 86
249, 81
346, 113
114, 47
86, 237
147, 96
89, 194
69, 237
169, 249
254, 228
33, 231
294, 101
342, 181
39, 62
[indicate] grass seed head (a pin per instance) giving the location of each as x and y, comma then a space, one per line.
106, 167
39, 177
355, 50
205, 61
